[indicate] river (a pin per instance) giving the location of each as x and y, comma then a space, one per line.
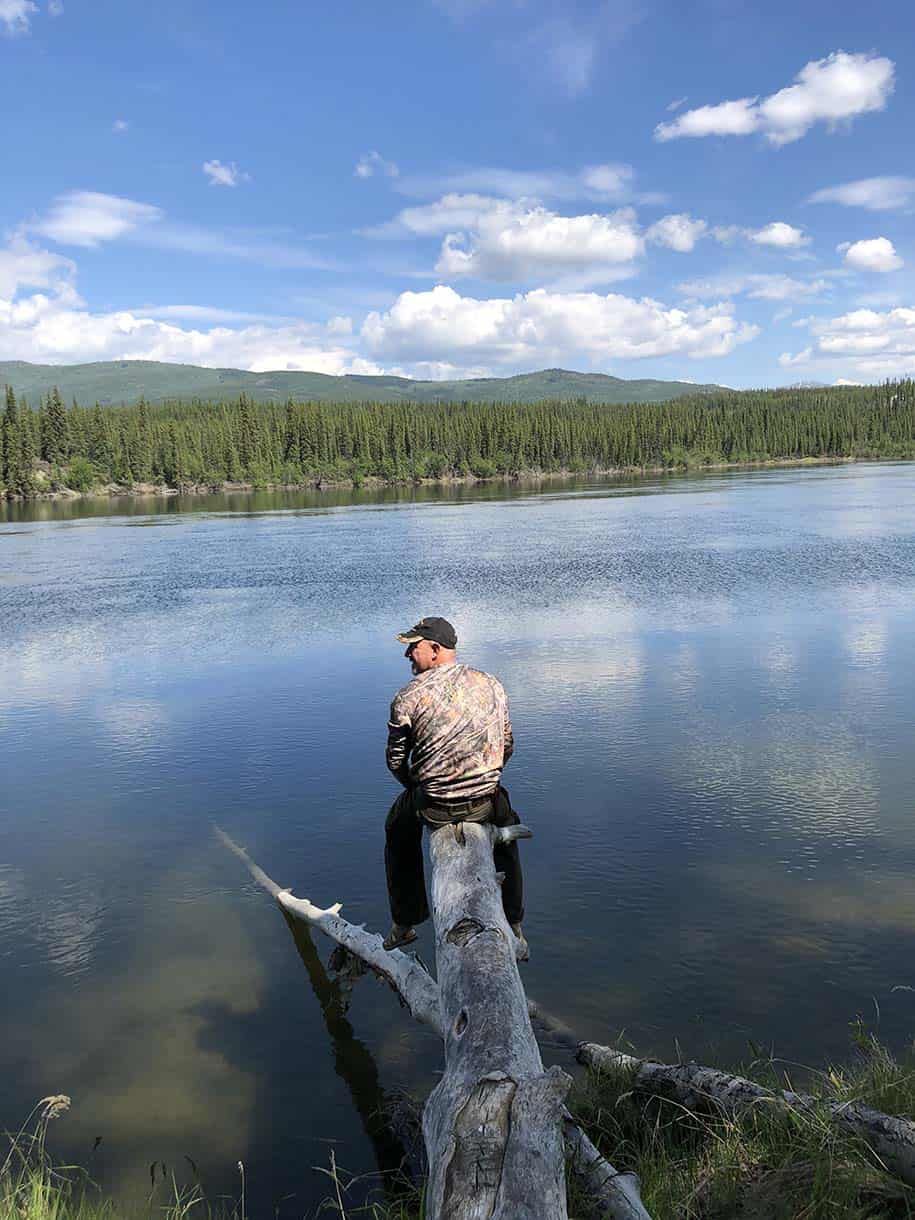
711, 688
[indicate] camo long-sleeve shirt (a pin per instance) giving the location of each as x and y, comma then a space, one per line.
450, 733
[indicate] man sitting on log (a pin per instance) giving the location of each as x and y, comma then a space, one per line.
449, 737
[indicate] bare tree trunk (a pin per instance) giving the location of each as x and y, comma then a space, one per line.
493, 1123
702, 1088
517, 1120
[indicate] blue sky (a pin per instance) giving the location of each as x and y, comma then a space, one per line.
713, 191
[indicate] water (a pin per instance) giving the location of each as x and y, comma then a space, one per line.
711, 689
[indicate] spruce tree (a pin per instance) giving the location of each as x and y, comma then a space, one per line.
9, 458
55, 440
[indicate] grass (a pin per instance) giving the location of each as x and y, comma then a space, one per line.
771, 1165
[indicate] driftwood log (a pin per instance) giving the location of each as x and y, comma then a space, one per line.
704, 1089
492, 1125
496, 1124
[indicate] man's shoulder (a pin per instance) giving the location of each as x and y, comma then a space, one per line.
413, 687
480, 677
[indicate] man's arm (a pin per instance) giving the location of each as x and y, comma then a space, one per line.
507, 733
397, 754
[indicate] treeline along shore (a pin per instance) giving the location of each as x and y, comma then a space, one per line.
49, 447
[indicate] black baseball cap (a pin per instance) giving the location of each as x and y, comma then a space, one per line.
438, 630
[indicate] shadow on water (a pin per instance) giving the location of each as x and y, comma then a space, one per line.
354, 1064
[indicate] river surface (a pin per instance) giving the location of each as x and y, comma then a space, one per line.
711, 681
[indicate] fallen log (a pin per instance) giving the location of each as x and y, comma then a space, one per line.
492, 1125
614, 1195
699, 1089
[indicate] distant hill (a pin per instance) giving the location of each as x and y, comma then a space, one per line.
126, 381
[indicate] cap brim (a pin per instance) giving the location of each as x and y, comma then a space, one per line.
404, 638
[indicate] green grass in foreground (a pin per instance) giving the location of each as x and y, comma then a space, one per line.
766, 1167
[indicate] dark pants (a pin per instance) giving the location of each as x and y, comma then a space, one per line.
403, 858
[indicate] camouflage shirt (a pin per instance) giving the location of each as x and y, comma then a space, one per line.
450, 733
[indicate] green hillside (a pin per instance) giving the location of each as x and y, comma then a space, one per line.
127, 381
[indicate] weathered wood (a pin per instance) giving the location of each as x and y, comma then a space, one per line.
614, 1195
408, 977
706, 1089
492, 1124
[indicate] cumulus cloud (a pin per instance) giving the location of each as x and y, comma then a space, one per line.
876, 194
16, 16
782, 236
52, 330
678, 231
517, 243
119, 126
757, 286
831, 90
88, 218
541, 327
877, 344
372, 163
220, 174
874, 254
25, 265
43, 319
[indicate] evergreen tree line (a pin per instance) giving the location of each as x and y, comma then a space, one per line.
197, 443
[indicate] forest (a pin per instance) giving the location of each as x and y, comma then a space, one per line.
49, 446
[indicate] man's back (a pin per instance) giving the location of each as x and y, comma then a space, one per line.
450, 733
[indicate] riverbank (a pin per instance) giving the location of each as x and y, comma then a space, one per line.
46, 491
769, 1166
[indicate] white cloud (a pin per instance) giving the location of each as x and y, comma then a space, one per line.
876, 344
49, 330
220, 174
205, 313
758, 286
517, 243
540, 328
831, 90
87, 218
53, 325
787, 361
676, 103
445, 215
874, 254
877, 194
24, 265
608, 181
372, 163
16, 15
678, 231
119, 126
782, 236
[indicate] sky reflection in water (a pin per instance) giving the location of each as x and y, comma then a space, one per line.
711, 688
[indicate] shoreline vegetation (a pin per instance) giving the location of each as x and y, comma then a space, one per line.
53, 451
770, 1165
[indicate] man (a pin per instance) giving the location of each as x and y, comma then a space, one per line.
448, 738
